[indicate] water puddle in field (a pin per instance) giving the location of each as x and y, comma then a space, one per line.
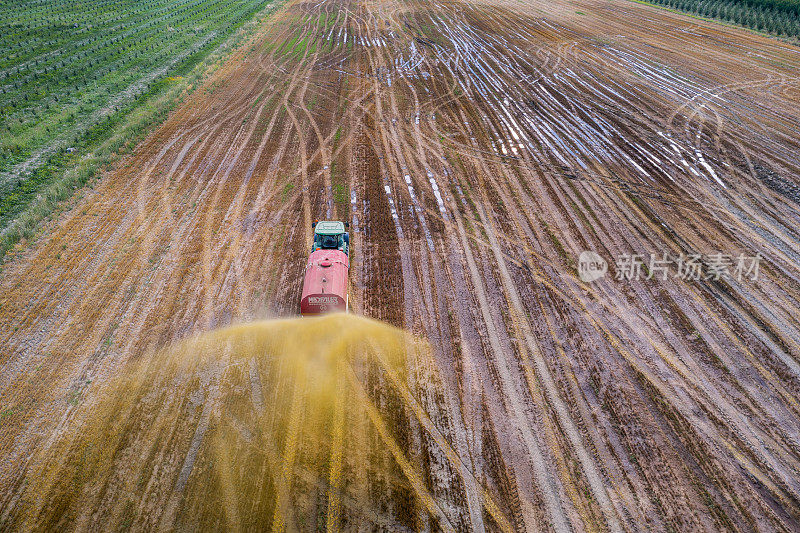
293, 424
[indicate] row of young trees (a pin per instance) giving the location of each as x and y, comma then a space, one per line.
61, 66
778, 17
95, 46
53, 95
24, 37
42, 75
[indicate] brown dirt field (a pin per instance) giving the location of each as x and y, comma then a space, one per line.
477, 148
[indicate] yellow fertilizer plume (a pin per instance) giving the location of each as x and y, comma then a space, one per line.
299, 424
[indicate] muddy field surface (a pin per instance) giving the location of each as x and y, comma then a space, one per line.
477, 148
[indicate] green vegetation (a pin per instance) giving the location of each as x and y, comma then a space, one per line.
340, 194
286, 191
76, 75
778, 17
304, 41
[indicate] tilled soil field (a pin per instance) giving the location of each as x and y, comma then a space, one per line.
477, 148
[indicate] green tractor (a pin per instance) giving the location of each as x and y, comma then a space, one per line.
331, 235
325, 282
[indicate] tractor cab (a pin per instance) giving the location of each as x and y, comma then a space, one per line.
331, 235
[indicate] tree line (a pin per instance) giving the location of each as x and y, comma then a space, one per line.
778, 17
